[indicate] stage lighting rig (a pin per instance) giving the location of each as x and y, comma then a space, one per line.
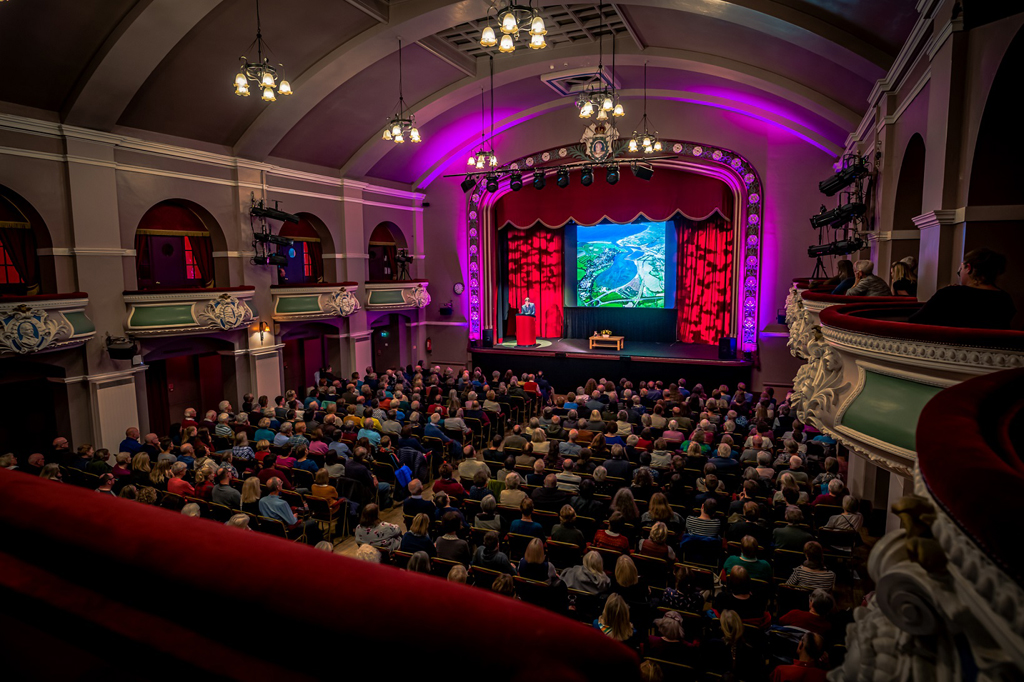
612, 175
854, 168
587, 176
642, 171
515, 181
842, 247
267, 238
492, 182
538, 179
468, 184
838, 216
277, 259
562, 177
260, 210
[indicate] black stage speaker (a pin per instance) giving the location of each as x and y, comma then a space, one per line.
559, 356
626, 358
488, 338
727, 348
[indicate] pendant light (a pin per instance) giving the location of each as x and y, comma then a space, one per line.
400, 125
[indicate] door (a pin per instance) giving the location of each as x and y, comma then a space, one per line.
386, 346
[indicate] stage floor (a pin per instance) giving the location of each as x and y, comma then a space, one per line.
675, 352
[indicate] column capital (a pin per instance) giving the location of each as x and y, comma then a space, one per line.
939, 217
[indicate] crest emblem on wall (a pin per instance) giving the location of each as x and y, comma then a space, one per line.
342, 303
598, 141
30, 330
226, 312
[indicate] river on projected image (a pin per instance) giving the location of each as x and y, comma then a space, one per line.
622, 269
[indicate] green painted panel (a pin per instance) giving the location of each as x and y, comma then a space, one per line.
296, 304
162, 315
888, 409
80, 322
385, 297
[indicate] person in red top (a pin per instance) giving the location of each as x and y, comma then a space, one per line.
177, 483
805, 668
446, 483
190, 419
268, 472
834, 496
815, 619
612, 537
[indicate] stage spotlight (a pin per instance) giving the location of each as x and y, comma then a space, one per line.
492, 183
538, 179
587, 176
612, 175
468, 184
839, 248
562, 177
516, 181
838, 216
642, 172
847, 176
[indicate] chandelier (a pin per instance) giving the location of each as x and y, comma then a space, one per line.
513, 19
485, 156
401, 124
262, 72
642, 137
603, 101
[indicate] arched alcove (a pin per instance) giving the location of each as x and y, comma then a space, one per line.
22, 234
307, 264
174, 246
306, 350
909, 197
385, 242
389, 340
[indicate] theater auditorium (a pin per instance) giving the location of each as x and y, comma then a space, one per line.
644, 340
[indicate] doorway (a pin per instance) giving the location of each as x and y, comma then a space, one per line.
385, 342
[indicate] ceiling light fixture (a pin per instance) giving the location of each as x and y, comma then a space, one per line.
262, 72
643, 139
485, 156
587, 176
603, 101
512, 20
400, 125
538, 179
562, 177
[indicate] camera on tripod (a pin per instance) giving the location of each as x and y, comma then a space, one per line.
402, 260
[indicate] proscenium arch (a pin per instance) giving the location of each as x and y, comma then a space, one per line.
424, 18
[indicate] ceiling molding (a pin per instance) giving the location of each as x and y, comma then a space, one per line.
375, 9
448, 54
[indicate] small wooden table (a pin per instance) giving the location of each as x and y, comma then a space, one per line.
607, 342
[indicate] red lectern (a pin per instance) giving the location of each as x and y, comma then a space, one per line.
526, 330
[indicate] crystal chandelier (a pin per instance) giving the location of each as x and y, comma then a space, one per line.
513, 19
642, 137
400, 125
485, 156
604, 101
262, 72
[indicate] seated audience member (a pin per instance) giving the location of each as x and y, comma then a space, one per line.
223, 492
904, 281
850, 519
805, 668
450, 546
867, 283
977, 302
504, 585
658, 509
738, 597
322, 488
706, 524
568, 481
486, 518
512, 496
489, 556
548, 497
834, 496
670, 643
419, 562
446, 483
788, 480
613, 536
537, 477
480, 488
566, 530
415, 504
816, 618
270, 471
812, 573
656, 545
614, 620
792, 536
275, 507
757, 569
535, 566
734, 653
844, 278
373, 531
177, 483
750, 525
458, 574
589, 576
106, 485
526, 525
584, 502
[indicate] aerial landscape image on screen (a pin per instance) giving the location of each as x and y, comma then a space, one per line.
621, 266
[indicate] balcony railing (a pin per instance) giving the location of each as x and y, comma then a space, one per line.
172, 312
314, 301
39, 324
396, 294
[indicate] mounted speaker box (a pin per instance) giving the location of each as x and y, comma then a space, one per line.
727, 348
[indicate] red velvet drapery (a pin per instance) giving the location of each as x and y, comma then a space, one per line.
704, 279
535, 270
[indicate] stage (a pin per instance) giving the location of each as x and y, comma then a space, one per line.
569, 363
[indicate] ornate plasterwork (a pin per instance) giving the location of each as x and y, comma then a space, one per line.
225, 312
341, 303
798, 322
25, 329
817, 384
417, 296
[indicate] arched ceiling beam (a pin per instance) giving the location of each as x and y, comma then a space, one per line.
128, 57
461, 150
416, 21
536, 63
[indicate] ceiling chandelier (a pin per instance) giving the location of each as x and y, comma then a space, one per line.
642, 137
604, 101
262, 72
513, 19
401, 124
485, 156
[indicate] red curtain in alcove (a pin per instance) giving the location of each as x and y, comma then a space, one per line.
704, 279
535, 270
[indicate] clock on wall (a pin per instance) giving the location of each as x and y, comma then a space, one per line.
459, 288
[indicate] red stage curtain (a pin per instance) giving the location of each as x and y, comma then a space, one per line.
20, 245
316, 259
668, 192
535, 270
202, 251
704, 279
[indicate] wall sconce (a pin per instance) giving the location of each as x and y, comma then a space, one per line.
264, 328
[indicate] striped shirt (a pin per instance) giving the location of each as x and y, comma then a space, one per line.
812, 580
698, 526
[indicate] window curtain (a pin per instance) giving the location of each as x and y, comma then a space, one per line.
535, 269
316, 259
20, 245
202, 251
704, 279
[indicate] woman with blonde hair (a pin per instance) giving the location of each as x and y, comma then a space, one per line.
141, 468
322, 488
733, 653
146, 495
251, 496
904, 281
627, 583
159, 475
540, 442
534, 564
656, 545
512, 496
418, 538
458, 574
614, 620
503, 584
786, 480
589, 576
241, 449
50, 472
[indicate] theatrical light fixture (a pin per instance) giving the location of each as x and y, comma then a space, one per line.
641, 171
538, 179
643, 139
514, 19
270, 259
516, 181
267, 238
261, 72
603, 100
492, 183
485, 158
612, 175
562, 177
587, 176
401, 125
838, 216
842, 247
260, 210
854, 168
468, 184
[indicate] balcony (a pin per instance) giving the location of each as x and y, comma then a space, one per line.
807, 298
396, 294
869, 374
173, 312
320, 301
40, 324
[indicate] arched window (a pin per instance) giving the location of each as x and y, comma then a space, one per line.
385, 242
19, 269
173, 248
307, 265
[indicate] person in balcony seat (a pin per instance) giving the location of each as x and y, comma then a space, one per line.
977, 302
867, 283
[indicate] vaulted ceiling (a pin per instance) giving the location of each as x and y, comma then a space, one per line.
164, 68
